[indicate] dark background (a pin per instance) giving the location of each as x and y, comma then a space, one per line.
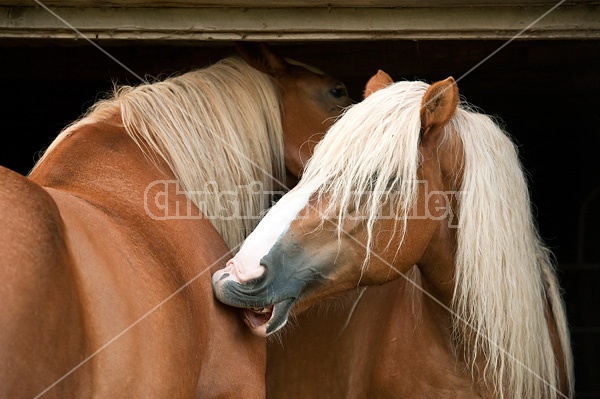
546, 93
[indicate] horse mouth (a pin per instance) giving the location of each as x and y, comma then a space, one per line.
259, 316
265, 320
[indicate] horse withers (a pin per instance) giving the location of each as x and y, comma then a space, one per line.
108, 244
424, 202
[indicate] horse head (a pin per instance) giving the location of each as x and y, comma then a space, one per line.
312, 101
310, 243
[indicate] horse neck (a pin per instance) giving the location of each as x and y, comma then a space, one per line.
97, 160
442, 182
437, 265
484, 268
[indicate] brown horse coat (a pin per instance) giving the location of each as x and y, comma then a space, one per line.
98, 297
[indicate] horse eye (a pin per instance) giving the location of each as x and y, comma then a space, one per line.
339, 92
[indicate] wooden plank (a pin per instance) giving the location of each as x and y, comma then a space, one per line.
276, 24
291, 3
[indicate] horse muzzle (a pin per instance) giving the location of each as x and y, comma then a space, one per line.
263, 313
266, 292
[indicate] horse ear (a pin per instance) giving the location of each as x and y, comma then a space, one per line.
261, 57
437, 107
377, 82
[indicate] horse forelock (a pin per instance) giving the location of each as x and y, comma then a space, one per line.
219, 130
504, 273
369, 154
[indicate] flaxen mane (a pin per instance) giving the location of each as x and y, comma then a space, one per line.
504, 273
219, 130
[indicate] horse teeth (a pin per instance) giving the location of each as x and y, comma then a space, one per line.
260, 310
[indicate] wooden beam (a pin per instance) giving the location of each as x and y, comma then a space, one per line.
301, 24
287, 3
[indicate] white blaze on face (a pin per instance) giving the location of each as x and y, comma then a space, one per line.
245, 265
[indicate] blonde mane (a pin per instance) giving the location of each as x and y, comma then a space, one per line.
504, 275
219, 131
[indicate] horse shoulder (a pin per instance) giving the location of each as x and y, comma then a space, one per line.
232, 360
37, 291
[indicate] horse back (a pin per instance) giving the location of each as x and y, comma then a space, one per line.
41, 334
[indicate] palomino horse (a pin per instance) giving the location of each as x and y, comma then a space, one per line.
426, 202
106, 245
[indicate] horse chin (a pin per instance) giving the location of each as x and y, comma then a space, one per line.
267, 320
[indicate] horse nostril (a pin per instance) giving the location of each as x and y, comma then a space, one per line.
225, 275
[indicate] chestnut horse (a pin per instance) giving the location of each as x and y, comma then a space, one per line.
425, 202
108, 245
